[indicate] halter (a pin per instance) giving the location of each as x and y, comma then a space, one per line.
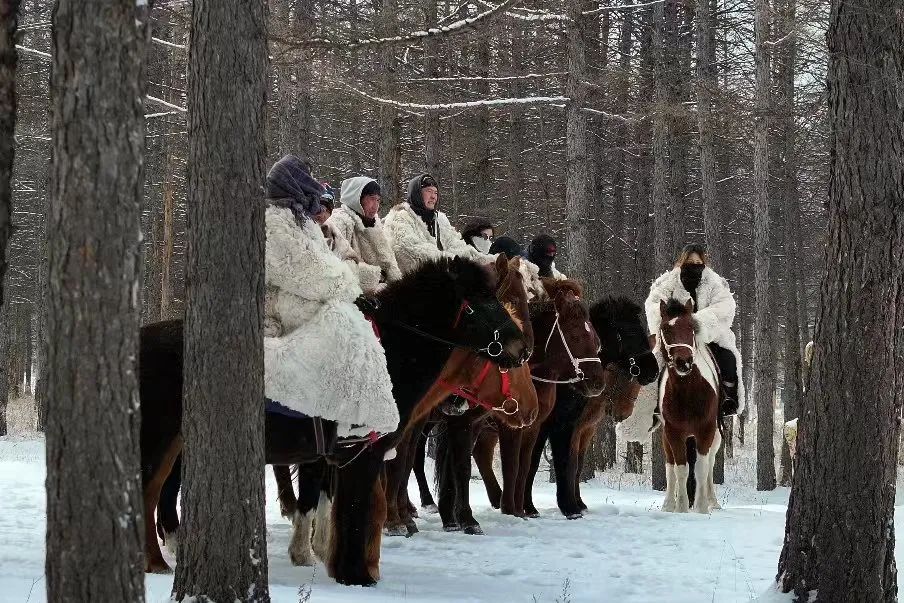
633, 367
669, 346
575, 362
493, 349
470, 393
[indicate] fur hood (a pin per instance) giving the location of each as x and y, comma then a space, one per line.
321, 356
371, 243
413, 244
715, 312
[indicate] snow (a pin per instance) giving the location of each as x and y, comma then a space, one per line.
624, 550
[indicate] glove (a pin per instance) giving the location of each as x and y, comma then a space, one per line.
367, 305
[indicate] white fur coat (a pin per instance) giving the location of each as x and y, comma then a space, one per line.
413, 244
321, 356
715, 312
371, 245
368, 276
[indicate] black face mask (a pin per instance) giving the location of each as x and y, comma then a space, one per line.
691, 275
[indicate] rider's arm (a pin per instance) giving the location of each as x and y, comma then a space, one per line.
718, 315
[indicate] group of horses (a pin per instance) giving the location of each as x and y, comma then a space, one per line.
545, 370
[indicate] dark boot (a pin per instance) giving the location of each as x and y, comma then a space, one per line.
729, 399
454, 407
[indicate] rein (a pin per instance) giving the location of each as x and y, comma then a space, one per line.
575, 362
493, 349
470, 393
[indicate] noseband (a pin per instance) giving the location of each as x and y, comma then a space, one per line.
670, 346
575, 362
470, 393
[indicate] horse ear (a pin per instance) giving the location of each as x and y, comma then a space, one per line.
689, 306
501, 264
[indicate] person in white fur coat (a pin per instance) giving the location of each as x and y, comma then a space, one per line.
714, 313
419, 232
357, 220
321, 356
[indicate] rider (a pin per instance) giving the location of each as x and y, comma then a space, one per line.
714, 311
321, 356
419, 232
478, 233
542, 252
358, 221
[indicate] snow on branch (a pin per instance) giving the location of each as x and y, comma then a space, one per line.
510, 78
43, 55
458, 27
535, 15
160, 101
170, 44
604, 9
496, 102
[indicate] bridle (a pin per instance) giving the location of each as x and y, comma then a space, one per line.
575, 362
470, 393
670, 346
633, 367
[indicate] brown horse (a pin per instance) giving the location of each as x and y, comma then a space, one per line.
569, 355
490, 391
689, 403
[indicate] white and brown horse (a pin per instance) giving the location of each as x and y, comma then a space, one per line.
689, 403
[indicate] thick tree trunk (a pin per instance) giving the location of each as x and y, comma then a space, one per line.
94, 508
764, 337
842, 545
8, 19
433, 134
224, 553
577, 193
634, 458
621, 280
389, 152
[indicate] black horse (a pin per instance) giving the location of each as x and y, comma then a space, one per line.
421, 319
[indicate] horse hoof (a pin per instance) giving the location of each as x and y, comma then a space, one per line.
365, 580
396, 531
702, 509
574, 516
474, 531
412, 529
414, 513
532, 514
432, 509
157, 566
452, 528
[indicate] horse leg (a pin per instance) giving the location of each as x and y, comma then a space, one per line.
352, 519
560, 443
310, 477
420, 458
510, 453
167, 514
323, 530
445, 479
375, 529
669, 503
396, 479
484, 450
285, 491
702, 468
532, 452
403, 502
676, 441
460, 444
710, 484
154, 562
583, 446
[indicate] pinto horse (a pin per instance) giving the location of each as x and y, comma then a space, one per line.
689, 404
421, 319
491, 392
570, 355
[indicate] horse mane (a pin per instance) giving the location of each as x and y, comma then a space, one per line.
611, 309
430, 283
675, 308
554, 287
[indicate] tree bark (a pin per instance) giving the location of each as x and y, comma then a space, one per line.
8, 21
577, 194
433, 134
224, 555
764, 337
94, 508
390, 172
621, 98
842, 545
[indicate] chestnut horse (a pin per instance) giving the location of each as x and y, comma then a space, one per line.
569, 355
444, 305
689, 404
490, 392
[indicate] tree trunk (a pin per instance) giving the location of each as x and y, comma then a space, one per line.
390, 172
224, 554
634, 458
764, 337
577, 195
666, 80
8, 19
433, 134
621, 96
94, 508
842, 545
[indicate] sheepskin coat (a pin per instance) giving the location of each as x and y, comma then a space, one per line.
715, 312
413, 244
321, 356
369, 276
371, 244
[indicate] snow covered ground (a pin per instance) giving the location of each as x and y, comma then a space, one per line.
625, 550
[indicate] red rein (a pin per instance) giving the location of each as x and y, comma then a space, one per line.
470, 393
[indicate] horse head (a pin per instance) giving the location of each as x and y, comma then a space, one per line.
454, 301
677, 335
625, 353
570, 345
